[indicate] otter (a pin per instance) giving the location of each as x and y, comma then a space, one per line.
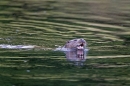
76, 44
77, 55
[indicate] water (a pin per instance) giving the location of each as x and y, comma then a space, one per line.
30, 29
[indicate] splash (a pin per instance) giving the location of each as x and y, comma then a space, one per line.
7, 46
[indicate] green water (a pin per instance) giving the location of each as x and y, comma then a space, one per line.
104, 24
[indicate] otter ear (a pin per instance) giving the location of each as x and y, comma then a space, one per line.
68, 42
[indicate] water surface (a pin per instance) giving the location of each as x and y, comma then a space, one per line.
104, 24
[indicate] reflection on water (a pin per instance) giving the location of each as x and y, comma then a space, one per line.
77, 57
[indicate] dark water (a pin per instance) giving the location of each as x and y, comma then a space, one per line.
104, 24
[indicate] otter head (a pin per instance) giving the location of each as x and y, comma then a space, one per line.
76, 44
76, 52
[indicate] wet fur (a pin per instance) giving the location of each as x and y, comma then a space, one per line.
76, 55
73, 43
